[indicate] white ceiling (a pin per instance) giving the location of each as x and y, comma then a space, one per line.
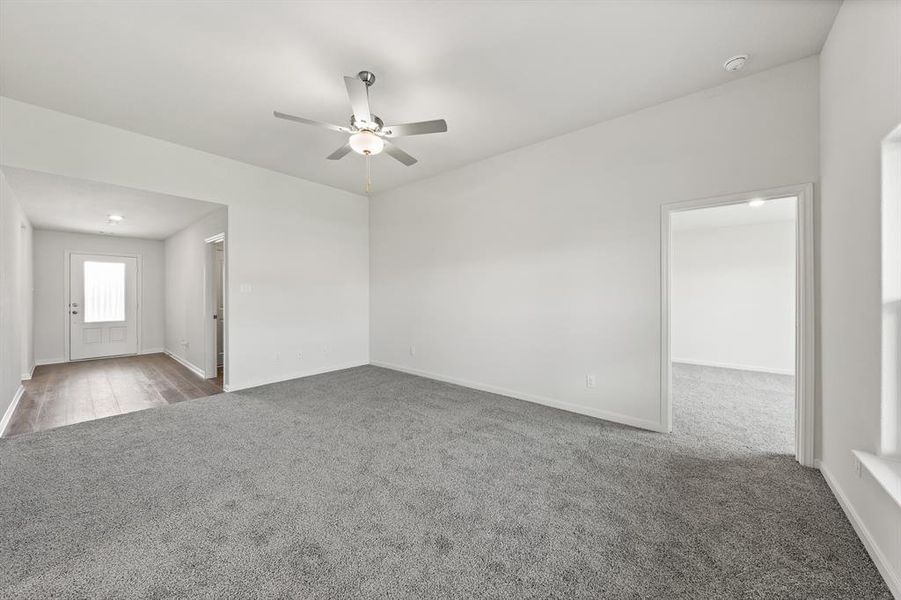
67, 204
777, 209
504, 74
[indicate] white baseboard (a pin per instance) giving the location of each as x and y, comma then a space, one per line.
190, 366
258, 382
8, 415
567, 406
892, 577
153, 351
27, 376
49, 361
722, 365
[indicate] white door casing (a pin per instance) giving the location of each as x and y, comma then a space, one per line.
805, 339
220, 302
103, 305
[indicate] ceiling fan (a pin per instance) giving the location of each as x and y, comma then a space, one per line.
368, 134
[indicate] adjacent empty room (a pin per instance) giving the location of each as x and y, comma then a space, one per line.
733, 318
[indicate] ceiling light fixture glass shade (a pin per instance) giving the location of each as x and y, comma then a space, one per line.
366, 142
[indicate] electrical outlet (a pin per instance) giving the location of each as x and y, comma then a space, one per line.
413, 350
589, 381
300, 355
325, 349
246, 288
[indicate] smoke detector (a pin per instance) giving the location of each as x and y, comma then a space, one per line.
735, 63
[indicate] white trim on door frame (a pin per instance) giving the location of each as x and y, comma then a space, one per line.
804, 308
209, 330
139, 275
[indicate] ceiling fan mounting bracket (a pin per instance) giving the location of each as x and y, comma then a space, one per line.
366, 77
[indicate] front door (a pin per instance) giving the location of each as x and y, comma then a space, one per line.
103, 306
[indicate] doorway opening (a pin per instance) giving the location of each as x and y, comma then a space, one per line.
215, 309
118, 308
737, 318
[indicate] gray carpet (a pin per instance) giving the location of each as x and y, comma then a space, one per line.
369, 483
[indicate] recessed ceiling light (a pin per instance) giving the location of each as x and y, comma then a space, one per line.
756, 202
735, 63
115, 218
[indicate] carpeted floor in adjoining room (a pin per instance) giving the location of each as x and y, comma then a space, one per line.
371, 483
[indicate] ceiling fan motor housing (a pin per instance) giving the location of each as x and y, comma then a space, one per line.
375, 125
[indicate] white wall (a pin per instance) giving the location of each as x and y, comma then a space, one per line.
16, 349
733, 296
300, 248
860, 103
50, 290
526, 271
186, 254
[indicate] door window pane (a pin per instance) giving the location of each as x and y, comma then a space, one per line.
104, 292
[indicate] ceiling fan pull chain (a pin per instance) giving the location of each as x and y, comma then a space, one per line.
368, 174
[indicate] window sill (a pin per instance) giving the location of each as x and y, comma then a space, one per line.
885, 471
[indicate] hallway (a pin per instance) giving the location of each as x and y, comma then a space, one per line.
68, 393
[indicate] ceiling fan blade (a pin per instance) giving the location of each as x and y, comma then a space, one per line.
398, 154
358, 93
280, 115
340, 152
420, 128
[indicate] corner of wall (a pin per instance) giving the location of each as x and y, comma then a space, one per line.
16, 288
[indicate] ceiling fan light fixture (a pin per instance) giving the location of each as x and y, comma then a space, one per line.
366, 143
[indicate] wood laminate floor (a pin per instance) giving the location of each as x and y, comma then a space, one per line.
73, 392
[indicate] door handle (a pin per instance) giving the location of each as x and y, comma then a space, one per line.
74, 312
